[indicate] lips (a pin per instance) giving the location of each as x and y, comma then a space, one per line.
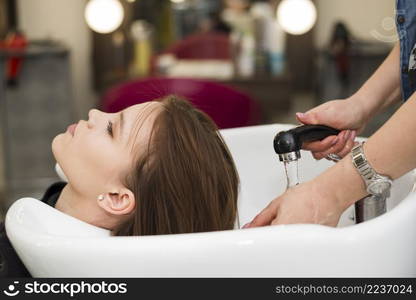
71, 129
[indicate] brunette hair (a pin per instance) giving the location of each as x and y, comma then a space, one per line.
186, 180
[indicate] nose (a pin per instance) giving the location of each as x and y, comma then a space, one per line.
93, 113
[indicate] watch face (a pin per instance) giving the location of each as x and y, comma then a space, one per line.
379, 187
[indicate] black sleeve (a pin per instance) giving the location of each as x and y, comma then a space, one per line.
53, 192
10, 263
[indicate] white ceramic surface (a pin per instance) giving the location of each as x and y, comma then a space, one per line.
52, 244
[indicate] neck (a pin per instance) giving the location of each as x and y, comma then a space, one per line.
83, 208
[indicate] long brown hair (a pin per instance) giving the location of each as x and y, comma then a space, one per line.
186, 180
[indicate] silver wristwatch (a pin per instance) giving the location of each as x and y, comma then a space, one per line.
376, 184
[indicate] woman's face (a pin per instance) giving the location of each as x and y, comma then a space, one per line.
95, 154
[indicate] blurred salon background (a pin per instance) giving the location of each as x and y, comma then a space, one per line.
243, 62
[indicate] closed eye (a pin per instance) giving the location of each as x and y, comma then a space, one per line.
110, 128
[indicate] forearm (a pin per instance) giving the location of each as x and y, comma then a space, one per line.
390, 151
383, 87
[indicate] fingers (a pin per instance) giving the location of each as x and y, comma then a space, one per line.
325, 114
348, 145
340, 145
320, 146
347, 148
341, 148
307, 118
266, 216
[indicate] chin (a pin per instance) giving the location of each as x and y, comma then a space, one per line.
56, 146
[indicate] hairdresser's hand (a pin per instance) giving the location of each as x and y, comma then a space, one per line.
304, 203
347, 115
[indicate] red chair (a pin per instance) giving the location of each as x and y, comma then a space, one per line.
226, 106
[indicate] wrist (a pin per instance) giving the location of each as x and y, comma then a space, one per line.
342, 184
366, 106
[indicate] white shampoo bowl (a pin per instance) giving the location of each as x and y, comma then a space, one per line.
52, 244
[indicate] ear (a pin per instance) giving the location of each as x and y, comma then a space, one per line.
121, 202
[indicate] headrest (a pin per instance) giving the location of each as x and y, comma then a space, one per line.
36, 217
60, 172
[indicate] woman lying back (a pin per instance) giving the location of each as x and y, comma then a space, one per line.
159, 167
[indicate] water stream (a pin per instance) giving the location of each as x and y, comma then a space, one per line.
292, 173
